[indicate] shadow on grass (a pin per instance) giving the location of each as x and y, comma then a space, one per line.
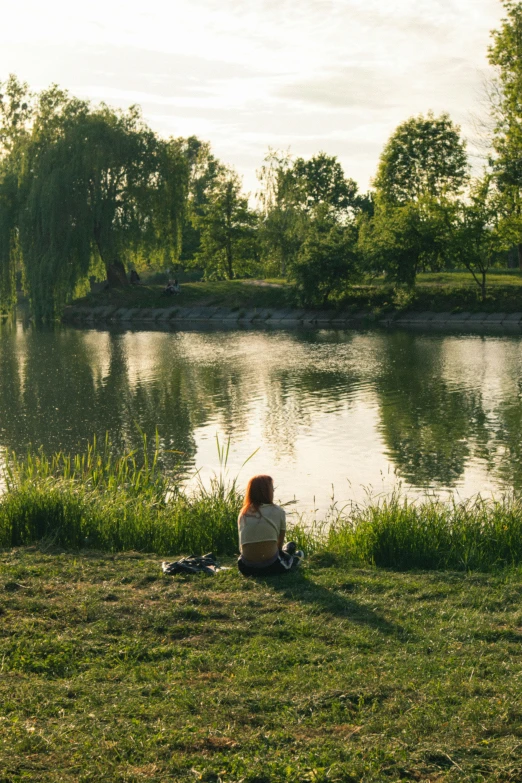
299, 586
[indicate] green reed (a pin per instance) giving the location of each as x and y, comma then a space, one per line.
111, 502
475, 534
97, 468
101, 500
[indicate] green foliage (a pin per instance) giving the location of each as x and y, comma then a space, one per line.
476, 239
294, 193
505, 54
115, 503
320, 182
203, 170
327, 261
79, 185
227, 229
118, 503
104, 186
477, 535
16, 110
399, 240
15, 114
421, 172
9, 257
86, 189
425, 156
282, 225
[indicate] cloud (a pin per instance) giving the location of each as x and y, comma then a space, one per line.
119, 67
347, 87
337, 75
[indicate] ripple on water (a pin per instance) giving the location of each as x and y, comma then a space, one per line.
323, 407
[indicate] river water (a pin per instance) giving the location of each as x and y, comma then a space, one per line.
362, 412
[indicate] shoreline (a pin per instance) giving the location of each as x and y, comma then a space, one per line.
99, 500
289, 317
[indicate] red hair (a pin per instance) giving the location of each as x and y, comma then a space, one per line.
260, 489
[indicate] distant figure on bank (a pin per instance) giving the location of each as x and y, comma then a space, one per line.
171, 288
262, 529
134, 277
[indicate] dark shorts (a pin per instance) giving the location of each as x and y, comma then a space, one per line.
280, 564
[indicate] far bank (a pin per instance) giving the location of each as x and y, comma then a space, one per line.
438, 299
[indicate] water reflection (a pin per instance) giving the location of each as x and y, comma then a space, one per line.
343, 408
431, 424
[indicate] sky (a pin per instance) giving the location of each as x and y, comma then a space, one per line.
304, 75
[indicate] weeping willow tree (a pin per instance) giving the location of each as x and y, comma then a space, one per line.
93, 186
15, 113
8, 241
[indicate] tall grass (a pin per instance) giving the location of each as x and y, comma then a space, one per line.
104, 501
115, 503
476, 534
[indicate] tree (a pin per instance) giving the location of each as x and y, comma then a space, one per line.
321, 182
425, 156
327, 261
293, 192
282, 224
9, 255
399, 240
421, 172
93, 185
477, 240
505, 54
15, 114
227, 227
203, 170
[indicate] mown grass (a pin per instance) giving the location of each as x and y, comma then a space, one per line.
433, 297
111, 672
437, 292
230, 294
498, 277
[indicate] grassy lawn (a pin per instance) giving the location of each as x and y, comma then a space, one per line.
230, 293
501, 277
439, 292
110, 671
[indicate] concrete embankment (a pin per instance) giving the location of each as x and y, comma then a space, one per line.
171, 316
174, 316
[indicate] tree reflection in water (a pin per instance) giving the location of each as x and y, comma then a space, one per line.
430, 425
323, 403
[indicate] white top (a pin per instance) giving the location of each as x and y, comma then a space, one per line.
265, 525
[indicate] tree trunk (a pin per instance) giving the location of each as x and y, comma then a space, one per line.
483, 286
519, 252
116, 275
230, 260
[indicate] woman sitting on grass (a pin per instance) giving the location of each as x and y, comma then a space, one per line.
262, 528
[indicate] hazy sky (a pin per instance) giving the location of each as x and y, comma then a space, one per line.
333, 75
